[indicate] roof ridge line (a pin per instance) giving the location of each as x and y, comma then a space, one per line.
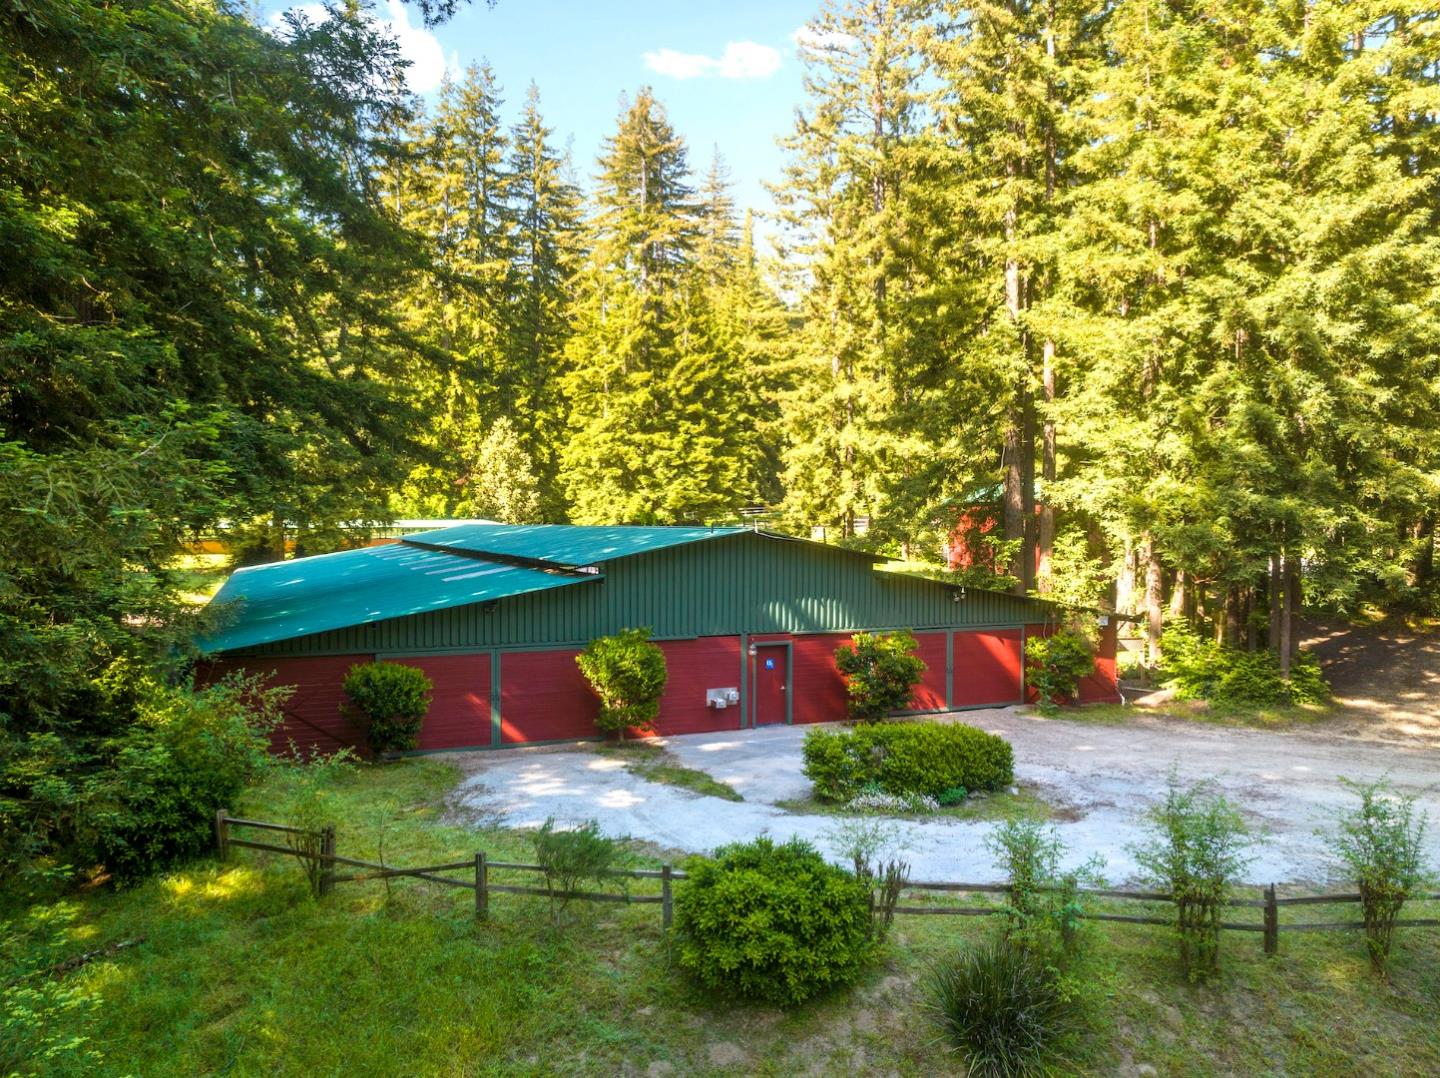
518, 560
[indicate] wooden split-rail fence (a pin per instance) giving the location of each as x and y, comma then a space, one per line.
319, 847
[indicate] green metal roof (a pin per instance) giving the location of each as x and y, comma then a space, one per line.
565, 544
354, 587
325, 592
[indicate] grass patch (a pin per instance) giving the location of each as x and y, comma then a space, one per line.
240, 972
652, 763
1023, 805
1293, 716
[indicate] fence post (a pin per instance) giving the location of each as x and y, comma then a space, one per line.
1272, 922
666, 905
222, 834
482, 887
327, 863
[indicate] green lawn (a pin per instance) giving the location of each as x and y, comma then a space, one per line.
653, 763
238, 971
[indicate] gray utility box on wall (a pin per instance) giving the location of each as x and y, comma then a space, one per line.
718, 698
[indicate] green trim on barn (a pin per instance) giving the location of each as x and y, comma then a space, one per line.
734, 582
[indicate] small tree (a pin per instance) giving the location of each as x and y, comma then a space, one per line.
1044, 903
1381, 843
881, 671
1196, 848
875, 849
628, 673
394, 698
1055, 664
570, 857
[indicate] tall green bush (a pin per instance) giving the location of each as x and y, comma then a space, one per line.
1199, 668
1056, 664
774, 923
1381, 842
188, 754
569, 857
1044, 905
1195, 849
394, 698
881, 671
627, 671
927, 758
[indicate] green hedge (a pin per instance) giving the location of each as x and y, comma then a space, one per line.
906, 758
769, 922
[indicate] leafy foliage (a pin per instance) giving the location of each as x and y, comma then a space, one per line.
627, 671
1044, 904
1055, 664
906, 758
881, 671
875, 849
394, 698
1001, 1007
774, 923
570, 857
1205, 670
1381, 843
1195, 849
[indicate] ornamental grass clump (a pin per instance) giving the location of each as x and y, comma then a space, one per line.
1001, 1007
771, 922
1196, 848
1381, 845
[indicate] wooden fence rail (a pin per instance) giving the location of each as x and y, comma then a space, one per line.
480, 867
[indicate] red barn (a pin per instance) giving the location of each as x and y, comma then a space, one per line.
495, 614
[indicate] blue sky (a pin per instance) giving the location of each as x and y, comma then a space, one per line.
728, 73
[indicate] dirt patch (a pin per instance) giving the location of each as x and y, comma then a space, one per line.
1386, 680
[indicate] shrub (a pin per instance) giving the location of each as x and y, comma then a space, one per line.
875, 851
627, 672
394, 698
1044, 904
571, 857
776, 923
906, 758
881, 671
874, 799
1201, 669
187, 755
1381, 844
1056, 664
1001, 1007
1196, 848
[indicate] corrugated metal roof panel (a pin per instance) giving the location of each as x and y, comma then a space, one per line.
566, 544
355, 587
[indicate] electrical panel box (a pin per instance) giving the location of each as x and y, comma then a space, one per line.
722, 698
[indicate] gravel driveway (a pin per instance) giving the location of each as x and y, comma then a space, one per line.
1102, 777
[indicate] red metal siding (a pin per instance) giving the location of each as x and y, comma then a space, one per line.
987, 668
312, 717
544, 697
816, 687
929, 695
1101, 686
459, 715
711, 662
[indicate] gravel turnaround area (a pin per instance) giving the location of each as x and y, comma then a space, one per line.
1100, 778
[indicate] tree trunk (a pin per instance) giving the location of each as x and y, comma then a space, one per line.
1422, 565
1125, 580
1179, 598
1274, 587
1287, 616
1015, 499
1044, 570
1154, 619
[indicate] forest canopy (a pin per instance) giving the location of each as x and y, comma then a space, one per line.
1135, 301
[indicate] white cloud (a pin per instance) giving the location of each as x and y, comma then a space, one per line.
417, 45
809, 37
740, 60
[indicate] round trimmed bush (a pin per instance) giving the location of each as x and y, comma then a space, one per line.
394, 698
905, 758
775, 923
